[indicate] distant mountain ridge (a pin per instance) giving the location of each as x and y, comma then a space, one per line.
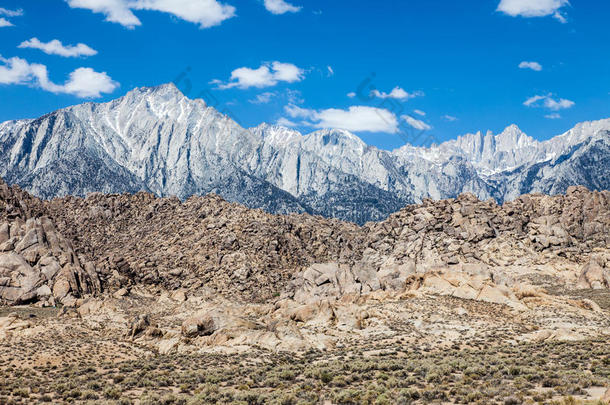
155, 139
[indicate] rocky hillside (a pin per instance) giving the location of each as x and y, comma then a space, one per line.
157, 140
110, 242
204, 241
250, 254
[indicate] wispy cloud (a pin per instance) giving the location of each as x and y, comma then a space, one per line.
11, 13
449, 118
55, 47
530, 65
415, 123
355, 118
267, 75
285, 122
554, 116
534, 8
420, 112
205, 13
83, 82
549, 102
263, 98
280, 7
8, 13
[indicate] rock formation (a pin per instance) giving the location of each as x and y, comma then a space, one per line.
37, 264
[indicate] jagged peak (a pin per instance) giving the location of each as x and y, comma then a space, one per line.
331, 135
514, 137
167, 92
276, 133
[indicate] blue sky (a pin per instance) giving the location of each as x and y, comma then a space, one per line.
300, 62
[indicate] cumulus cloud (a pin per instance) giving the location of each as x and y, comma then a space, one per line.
116, 11
83, 82
549, 102
280, 7
415, 123
267, 75
5, 23
397, 93
355, 118
55, 47
530, 65
534, 8
205, 13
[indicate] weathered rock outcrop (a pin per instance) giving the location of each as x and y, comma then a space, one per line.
596, 273
37, 264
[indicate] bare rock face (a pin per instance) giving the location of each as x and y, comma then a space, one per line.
37, 264
595, 274
200, 325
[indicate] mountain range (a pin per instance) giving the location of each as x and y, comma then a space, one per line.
157, 140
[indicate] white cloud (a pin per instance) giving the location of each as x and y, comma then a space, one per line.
11, 13
530, 65
263, 98
449, 118
294, 96
116, 11
285, 122
205, 13
351, 95
280, 7
55, 47
87, 83
83, 82
397, 93
553, 116
14, 71
331, 72
269, 74
355, 118
549, 102
534, 8
415, 123
557, 105
420, 112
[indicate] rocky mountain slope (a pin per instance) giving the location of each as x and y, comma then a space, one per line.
157, 140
